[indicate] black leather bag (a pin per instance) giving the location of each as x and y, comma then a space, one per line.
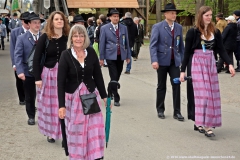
89, 103
31, 56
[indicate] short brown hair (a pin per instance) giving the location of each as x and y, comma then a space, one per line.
200, 24
90, 22
49, 28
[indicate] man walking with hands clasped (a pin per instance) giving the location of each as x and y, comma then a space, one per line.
114, 47
166, 51
22, 51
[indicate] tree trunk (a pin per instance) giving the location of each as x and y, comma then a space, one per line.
199, 4
56, 3
147, 17
220, 6
158, 10
35, 6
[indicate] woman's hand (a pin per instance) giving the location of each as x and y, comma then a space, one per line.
105, 103
39, 84
232, 70
62, 112
181, 78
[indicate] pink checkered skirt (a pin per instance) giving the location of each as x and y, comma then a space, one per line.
47, 99
206, 89
85, 133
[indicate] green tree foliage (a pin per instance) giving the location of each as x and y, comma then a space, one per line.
225, 6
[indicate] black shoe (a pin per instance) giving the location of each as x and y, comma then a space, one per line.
8, 40
50, 140
237, 70
227, 72
209, 133
105, 65
219, 70
127, 72
22, 103
199, 128
161, 115
116, 104
3, 48
31, 121
178, 117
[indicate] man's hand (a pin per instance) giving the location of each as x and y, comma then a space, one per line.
128, 61
22, 76
101, 62
232, 70
155, 65
14, 68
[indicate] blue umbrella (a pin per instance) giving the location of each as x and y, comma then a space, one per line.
108, 110
177, 81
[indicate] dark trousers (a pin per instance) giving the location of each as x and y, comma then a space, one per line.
2, 42
30, 96
8, 31
174, 72
237, 54
115, 68
20, 88
221, 62
137, 46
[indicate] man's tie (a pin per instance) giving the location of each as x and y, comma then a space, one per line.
35, 36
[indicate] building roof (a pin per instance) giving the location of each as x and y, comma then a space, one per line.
102, 4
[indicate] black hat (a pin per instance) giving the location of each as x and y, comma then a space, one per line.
237, 13
15, 14
220, 15
78, 18
34, 16
112, 11
24, 16
170, 7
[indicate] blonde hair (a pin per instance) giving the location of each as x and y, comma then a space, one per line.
79, 29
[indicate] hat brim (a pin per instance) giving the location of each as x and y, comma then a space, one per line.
78, 21
110, 14
177, 10
28, 20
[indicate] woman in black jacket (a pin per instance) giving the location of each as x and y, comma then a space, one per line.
229, 36
204, 104
56, 32
79, 73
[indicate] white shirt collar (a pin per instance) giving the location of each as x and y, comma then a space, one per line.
24, 29
172, 27
114, 26
75, 54
33, 35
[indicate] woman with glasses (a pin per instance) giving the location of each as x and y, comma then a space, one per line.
79, 73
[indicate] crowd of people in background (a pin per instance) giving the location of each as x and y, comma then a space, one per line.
69, 54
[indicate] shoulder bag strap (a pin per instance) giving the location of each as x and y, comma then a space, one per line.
74, 65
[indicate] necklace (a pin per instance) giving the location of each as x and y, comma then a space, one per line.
79, 55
